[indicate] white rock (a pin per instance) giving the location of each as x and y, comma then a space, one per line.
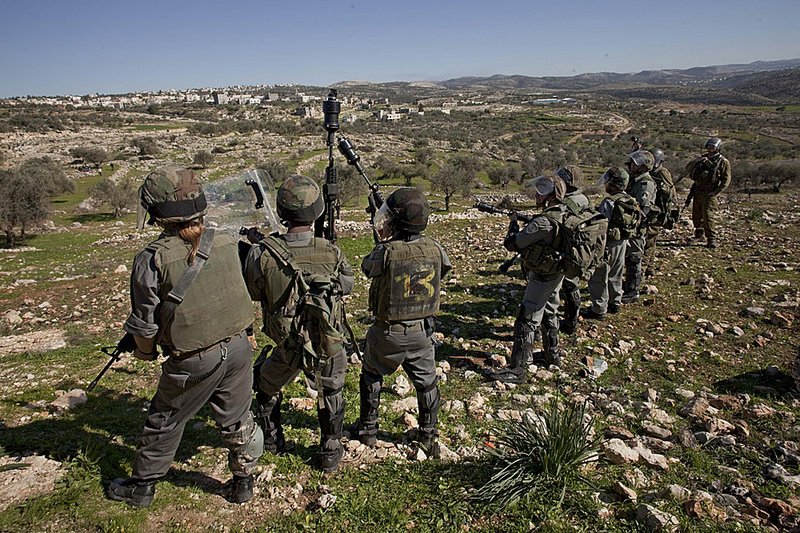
121, 269
406, 404
401, 386
618, 452
655, 520
70, 400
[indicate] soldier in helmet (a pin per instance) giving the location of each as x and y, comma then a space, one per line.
663, 179
269, 273
636, 144
642, 187
541, 262
405, 269
605, 284
570, 289
205, 340
711, 174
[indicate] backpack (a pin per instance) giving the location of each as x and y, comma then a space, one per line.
582, 239
626, 217
667, 213
313, 307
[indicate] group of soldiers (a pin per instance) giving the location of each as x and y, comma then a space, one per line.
191, 292
635, 213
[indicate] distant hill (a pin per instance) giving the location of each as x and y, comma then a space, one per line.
692, 76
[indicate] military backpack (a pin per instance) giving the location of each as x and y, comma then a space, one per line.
667, 213
626, 217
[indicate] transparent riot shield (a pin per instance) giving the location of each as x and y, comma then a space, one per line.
244, 200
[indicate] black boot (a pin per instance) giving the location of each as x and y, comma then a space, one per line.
268, 417
241, 489
551, 354
132, 491
369, 387
521, 355
428, 401
572, 305
330, 425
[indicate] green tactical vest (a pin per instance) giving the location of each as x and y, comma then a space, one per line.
545, 259
626, 217
217, 304
408, 289
319, 258
705, 172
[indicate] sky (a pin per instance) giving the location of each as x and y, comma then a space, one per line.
56, 47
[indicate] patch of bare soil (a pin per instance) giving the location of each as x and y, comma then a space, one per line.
24, 477
35, 341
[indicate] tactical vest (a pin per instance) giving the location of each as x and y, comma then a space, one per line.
705, 172
318, 258
408, 289
626, 217
665, 199
545, 258
217, 304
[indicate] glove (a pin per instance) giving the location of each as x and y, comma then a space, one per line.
144, 356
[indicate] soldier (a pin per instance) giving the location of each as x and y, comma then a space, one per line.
605, 284
711, 174
642, 187
405, 269
272, 271
663, 179
570, 289
537, 242
208, 351
636, 144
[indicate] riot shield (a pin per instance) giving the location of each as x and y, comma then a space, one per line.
246, 199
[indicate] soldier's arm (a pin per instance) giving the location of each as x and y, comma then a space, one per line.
372, 265
606, 207
645, 196
725, 177
346, 276
145, 301
536, 230
253, 276
447, 266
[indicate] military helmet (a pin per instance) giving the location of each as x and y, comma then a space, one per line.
547, 185
658, 156
406, 209
170, 195
571, 174
714, 142
642, 158
616, 176
299, 200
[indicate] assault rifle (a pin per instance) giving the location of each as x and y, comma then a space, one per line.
125, 345
525, 219
375, 198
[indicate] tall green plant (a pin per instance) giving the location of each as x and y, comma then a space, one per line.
541, 456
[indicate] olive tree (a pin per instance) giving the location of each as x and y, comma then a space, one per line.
457, 175
119, 195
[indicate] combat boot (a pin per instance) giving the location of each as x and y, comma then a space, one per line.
572, 305
428, 401
241, 489
268, 417
712, 243
330, 446
590, 314
369, 388
521, 355
132, 491
551, 355
429, 443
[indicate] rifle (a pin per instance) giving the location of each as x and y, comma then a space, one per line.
125, 345
375, 198
506, 265
690, 196
325, 225
489, 208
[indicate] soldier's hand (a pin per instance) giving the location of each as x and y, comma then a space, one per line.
144, 356
254, 236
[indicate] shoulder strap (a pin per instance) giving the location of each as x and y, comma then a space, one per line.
178, 292
571, 205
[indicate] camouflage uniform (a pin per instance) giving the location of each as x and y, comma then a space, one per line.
712, 175
643, 188
570, 288
660, 172
405, 274
268, 282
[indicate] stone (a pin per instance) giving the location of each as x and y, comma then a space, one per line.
121, 269
684, 393
408, 420
782, 320
13, 318
69, 400
726, 401
703, 509
656, 431
696, 407
676, 493
616, 432
406, 404
444, 365
509, 414
618, 452
752, 311
758, 411
627, 493
653, 460
401, 386
654, 520
454, 406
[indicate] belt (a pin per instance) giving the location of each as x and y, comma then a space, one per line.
400, 327
180, 356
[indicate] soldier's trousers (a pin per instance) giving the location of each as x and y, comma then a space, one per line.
704, 216
605, 285
539, 308
408, 345
634, 255
650, 249
571, 294
283, 366
228, 391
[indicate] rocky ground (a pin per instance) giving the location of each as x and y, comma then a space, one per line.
694, 408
